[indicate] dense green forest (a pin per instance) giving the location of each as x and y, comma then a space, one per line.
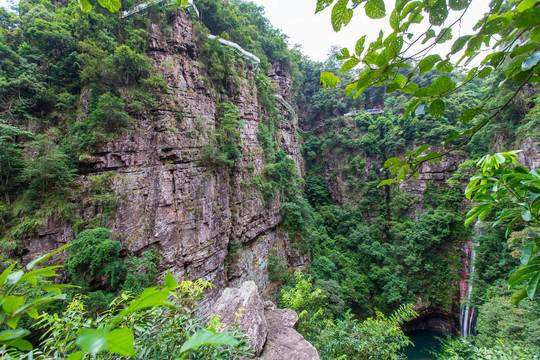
73, 82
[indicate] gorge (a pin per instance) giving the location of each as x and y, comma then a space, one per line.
205, 146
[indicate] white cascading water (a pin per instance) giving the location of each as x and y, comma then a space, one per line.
466, 312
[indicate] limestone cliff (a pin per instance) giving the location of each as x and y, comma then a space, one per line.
166, 198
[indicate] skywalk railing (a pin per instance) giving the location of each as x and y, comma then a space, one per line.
239, 50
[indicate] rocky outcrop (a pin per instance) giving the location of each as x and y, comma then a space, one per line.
165, 197
270, 330
243, 307
283, 342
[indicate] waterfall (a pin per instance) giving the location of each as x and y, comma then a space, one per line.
466, 311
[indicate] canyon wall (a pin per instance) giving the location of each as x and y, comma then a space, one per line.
197, 216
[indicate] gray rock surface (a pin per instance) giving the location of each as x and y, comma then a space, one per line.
243, 306
165, 197
283, 341
271, 330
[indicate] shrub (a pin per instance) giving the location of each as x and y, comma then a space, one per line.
94, 257
277, 270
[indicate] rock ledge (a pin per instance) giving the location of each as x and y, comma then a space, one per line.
270, 330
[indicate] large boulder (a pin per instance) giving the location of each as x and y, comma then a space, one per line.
243, 307
283, 342
270, 330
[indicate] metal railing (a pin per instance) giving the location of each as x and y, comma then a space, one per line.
238, 49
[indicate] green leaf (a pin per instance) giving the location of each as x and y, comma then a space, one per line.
387, 182
329, 80
521, 77
469, 114
522, 274
208, 338
400, 80
33, 263
375, 9
14, 278
21, 344
340, 14
391, 162
12, 303
458, 4
77, 355
412, 105
33, 313
474, 44
359, 48
349, 64
351, 88
170, 281
510, 226
92, 340
395, 20
111, 5
527, 252
437, 108
522, 50
323, 4
12, 323
453, 135
410, 88
85, 5
460, 43
531, 61
438, 12
5, 274
403, 173
429, 34
150, 297
496, 59
441, 85
525, 4
444, 35
120, 341
518, 296
535, 35
421, 149
528, 19
485, 72
445, 67
344, 54
428, 62
10, 335
496, 26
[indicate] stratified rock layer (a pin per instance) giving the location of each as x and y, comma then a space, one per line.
166, 197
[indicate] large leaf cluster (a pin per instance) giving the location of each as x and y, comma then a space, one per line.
517, 190
507, 35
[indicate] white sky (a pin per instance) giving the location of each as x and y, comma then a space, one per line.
297, 19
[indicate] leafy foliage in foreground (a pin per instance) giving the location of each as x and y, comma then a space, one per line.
157, 324
517, 191
379, 337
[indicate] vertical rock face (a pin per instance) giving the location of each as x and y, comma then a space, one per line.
167, 199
